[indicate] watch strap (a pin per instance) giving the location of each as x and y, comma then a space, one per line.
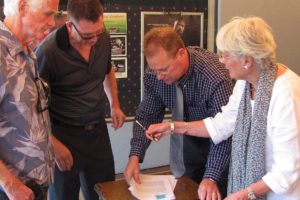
251, 195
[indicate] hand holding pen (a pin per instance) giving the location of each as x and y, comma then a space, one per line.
154, 138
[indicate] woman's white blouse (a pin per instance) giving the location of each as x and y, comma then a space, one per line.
283, 134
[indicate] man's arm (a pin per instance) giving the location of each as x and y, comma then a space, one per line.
12, 186
111, 90
150, 110
63, 156
219, 155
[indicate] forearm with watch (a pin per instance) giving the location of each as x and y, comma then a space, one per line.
257, 189
194, 128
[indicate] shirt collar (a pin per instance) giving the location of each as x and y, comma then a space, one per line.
187, 75
13, 45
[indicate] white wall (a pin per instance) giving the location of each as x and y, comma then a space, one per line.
282, 15
156, 155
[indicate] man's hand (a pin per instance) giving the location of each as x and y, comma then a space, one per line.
16, 190
132, 170
117, 117
208, 190
63, 156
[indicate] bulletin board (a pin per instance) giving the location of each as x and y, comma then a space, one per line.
130, 88
127, 59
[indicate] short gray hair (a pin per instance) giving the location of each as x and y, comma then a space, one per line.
11, 6
250, 36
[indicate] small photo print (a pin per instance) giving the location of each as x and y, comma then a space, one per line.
115, 23
119, 65
118, 45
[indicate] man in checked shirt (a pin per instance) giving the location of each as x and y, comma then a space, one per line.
206, 86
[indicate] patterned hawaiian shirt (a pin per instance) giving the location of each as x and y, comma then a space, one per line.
25, 146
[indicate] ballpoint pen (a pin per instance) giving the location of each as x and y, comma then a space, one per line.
139, 123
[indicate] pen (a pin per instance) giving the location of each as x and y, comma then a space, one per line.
139, 123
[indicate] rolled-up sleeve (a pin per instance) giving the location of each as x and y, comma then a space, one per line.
222, 125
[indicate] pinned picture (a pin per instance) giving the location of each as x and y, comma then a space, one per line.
119, 65
118, 45
115, 23
189, 25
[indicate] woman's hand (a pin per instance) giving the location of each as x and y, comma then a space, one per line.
157, 131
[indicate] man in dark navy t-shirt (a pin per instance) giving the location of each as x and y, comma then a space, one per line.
76, 62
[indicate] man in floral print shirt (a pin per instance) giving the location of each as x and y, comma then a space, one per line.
26, 155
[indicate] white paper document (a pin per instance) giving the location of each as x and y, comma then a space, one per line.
154, 187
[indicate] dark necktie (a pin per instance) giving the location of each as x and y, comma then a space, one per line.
176, 141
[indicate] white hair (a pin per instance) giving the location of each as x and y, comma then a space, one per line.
11, 6
250, 36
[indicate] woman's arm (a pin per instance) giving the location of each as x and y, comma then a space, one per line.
195, 128
218, 128
254, 190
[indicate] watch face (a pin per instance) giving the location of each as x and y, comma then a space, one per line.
251, 194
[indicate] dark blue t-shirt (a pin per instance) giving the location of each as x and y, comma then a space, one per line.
77, 92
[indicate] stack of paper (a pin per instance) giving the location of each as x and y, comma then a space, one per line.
154, 187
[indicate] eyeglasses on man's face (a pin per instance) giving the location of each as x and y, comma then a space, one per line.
164, 71
43, 94
88, 36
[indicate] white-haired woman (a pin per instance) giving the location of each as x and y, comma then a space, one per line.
262, 115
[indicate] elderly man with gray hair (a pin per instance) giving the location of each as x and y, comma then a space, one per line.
26, 155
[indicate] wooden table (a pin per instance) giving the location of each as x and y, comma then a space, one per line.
186, 189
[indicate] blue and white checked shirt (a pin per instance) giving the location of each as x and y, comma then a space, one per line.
206, 87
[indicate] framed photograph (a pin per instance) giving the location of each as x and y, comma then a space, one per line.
119, 65
115, 23
189, 25
118, 45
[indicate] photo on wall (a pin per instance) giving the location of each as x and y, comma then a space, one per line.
115, 23
119, 65
189, 25
118, 45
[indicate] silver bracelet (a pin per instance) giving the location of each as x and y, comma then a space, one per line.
172, 127
212, 180
186, 126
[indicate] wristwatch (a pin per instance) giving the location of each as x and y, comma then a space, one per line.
172, 127
251, 195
